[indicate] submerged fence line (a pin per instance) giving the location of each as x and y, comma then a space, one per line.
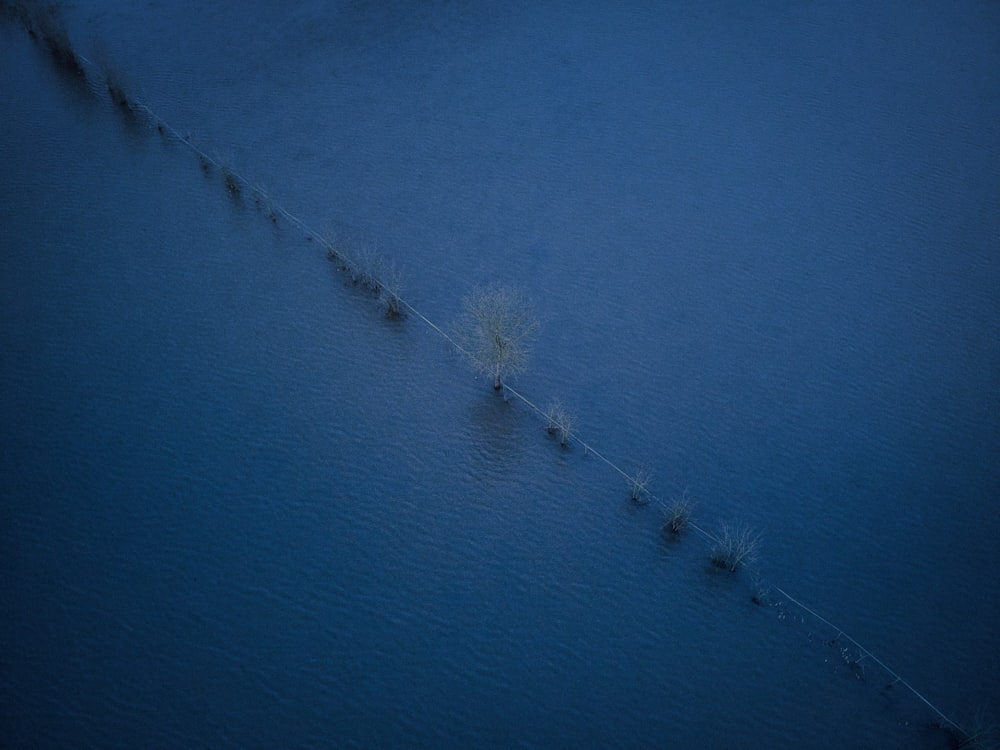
868, 654
67, 58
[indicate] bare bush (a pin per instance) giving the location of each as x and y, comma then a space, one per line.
559, 422
677, 514
232, 181
736, 546
639, 486
391, 287
265, 203
369, 264
760, 592
117, 91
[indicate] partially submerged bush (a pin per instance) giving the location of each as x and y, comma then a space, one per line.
735, 546
760, 592
639, 486
677, 514
559, 422
368, 266
391, 287
232, 182
265, 204
349, 258
117, 92
335, 255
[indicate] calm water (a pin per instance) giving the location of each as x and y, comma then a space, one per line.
240, 508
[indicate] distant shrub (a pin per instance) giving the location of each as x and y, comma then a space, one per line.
760, 593
369, 265
975, 734
735, 547
265, 204
349, 259
677, 514
232, 182
559, 422
117, 92
335, 255
391, 288
639, 486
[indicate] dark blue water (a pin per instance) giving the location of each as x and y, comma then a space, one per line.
242, 508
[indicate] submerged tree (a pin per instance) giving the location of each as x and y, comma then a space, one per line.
495, 330
677, 515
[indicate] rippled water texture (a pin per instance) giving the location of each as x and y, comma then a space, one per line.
240, 507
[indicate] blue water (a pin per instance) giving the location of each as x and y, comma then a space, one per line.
242, 508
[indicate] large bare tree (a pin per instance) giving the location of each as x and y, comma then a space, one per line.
495, 330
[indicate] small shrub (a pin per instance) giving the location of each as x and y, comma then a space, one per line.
392, 284
677, 514
639, 486
346, 256
760, 593
116, 90
366, 266
559, 422
348, 265
369, 268
854, 661
735, 547
265, 204
232, 182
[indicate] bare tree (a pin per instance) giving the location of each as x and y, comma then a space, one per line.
495, 330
